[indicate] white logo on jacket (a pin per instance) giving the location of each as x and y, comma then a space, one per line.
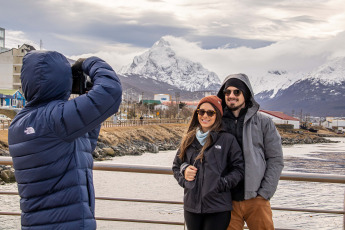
29, 130
218, 147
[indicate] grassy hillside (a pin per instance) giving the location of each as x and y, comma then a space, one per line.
148, 133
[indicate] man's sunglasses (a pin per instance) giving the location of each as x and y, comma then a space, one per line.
209, 113
236, 92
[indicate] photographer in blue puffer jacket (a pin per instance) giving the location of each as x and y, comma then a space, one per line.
51, 140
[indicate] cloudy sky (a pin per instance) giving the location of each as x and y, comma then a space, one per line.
250, 36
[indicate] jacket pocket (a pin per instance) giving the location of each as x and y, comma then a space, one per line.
90, 191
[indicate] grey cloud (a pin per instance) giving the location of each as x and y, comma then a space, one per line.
305, 19
214, 42
47, 20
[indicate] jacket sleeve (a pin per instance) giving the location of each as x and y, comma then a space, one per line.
178, 169
93, 137
235, 166
74, 118
274, 160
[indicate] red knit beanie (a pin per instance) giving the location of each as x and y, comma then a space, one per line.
214, 100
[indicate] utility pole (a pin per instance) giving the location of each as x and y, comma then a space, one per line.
177, 96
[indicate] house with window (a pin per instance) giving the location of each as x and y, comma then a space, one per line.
282, 118
12, 99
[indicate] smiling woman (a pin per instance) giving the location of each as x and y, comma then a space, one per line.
206, 116
207, 165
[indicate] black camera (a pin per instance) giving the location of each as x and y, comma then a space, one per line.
81, 82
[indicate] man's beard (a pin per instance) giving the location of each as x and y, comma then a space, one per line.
236, 107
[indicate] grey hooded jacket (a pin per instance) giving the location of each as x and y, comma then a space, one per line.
262, 149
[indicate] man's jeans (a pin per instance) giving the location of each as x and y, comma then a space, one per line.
255, 212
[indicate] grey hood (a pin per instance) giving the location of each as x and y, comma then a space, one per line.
244, 78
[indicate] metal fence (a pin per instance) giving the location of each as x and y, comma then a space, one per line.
4, 124
307, 177
135, 122
119, 123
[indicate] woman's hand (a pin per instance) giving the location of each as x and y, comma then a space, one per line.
190, 173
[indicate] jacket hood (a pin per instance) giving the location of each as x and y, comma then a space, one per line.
244, 78
45, 76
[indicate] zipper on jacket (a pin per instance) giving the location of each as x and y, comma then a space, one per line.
202, 183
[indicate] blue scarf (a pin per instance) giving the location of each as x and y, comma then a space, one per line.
201, 136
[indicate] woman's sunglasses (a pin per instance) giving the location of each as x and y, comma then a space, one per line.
209, 113
236, 92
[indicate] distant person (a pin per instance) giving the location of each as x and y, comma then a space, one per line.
207, 165
141, 119
51, 140
262, 152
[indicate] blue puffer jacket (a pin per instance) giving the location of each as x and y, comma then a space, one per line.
51, 140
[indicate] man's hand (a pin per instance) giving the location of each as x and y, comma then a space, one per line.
190, 173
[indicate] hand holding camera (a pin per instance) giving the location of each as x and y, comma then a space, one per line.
81, 82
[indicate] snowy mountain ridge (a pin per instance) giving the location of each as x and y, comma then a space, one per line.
161, 63
330, 73
321, 91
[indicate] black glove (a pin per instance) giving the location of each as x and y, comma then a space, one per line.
79, 80
77, 68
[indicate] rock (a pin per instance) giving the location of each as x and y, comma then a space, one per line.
152, 148
101, 145
109, 151
7, 175
308, 140
118, 150
95, 154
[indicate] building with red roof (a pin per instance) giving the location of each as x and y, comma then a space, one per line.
282, 118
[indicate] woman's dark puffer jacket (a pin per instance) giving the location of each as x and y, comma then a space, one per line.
221, 170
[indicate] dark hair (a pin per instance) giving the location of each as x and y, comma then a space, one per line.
190, 136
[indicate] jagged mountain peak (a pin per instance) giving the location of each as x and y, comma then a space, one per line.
332, 72
161, 43
161, 63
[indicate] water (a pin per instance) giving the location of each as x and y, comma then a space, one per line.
315, 158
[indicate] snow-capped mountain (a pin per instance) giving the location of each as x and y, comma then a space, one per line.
160, 63
320, 92
330, 73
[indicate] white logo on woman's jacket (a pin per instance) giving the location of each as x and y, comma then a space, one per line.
29, 130
218, 147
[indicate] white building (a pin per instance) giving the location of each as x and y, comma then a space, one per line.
11, 62
165, 99
2, 39
337, 124
162, 97
281, 118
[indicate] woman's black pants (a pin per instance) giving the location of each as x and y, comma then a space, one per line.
207, 221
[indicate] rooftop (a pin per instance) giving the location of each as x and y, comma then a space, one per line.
280, 115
